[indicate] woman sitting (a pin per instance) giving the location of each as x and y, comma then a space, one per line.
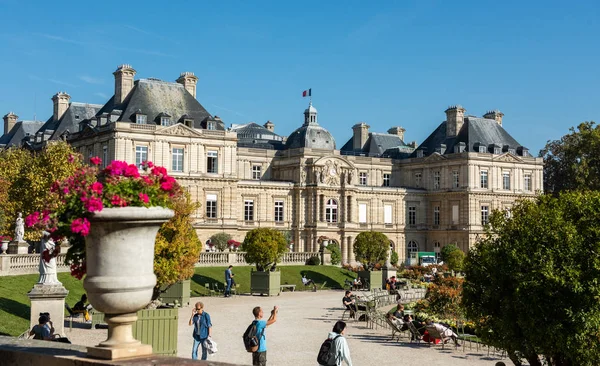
44, 330
81, 307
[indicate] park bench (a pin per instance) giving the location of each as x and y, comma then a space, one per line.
290, 287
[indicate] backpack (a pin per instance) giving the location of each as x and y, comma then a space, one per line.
251, 339
326, 354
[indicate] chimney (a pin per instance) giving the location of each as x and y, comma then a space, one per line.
361, 134
9, 121
189, 81
397, 131
455, 117
123, 82
270, 126
61, 104
495, 115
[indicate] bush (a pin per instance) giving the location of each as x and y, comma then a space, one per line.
371, 247
220, 241
444, 296
394, 258
336, 253
264, 247
313, 261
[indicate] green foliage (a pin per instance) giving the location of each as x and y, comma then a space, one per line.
220, 240
336, 253
313, 261
455, 260
444, 296
371, 247
177, 246
394, 258
573, 161
532, 282
446, 250
264, 247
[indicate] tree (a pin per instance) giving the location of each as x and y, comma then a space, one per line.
394, 258
371, 247
336, 253
220, 240
264, 247
177, 246
447, 250
532, 281
573, 161
455, 260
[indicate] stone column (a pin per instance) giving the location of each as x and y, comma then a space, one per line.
48, 298
344, 249
350, 250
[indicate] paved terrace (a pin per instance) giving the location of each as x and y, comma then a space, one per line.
304, 320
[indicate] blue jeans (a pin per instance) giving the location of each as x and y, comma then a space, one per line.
199, 343
228, 289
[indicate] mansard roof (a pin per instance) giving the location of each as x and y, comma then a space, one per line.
20, 130
76, 113
257, 136
379, 144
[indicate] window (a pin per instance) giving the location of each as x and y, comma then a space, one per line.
104, 156
211, 206
188, 122
485, 214
505, 180
256, 172
165, 121
412, 247
140, 119
412, 215
248, 210
331, 211
454, 214
387, 214
436, 180
437, 248
419, 153
386, 179
362, 213
455, 179
527, 183
417, 180
177, 159
482, 149
483, 179
141, 155
436, 215
278, 211
211, 162
211, 125
363, 178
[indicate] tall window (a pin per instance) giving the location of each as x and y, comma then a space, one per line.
485, 214
278, 211
387, 214
412, 215
386, 179
436, 215
417, 180
140, 119
412, 247
104, 156
248, 210
141, 155
165, 121
455, 215
505, 180
212, 162
455, 179
256, 172
331, 210
211, 125
483, 179
362, 213
436, 180
363, 178
211, 206
437, 248
527, 183
177, 159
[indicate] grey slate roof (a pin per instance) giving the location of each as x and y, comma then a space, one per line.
76, 113
474, 132
20, 130
257, 136
310, 136
378, 144
153, 97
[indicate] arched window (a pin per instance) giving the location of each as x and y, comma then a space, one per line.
437, 248
331, 211
412, 247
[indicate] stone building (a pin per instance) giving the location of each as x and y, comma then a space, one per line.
246, 176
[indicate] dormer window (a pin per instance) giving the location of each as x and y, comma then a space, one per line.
482, 149
165, 121
497, 150
419, 153
188, 122
140, 119
211, 125
511, 151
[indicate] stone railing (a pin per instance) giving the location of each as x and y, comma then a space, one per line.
222, 259
16, 264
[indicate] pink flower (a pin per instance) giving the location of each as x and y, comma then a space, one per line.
94, 204
97, 188
144, 197
167, 183
65, 190
81, 226
118, 201
95, 160
159, 170
147, 164
32, 219
71, 158
45, 217
132, 171
117, 167
148, 180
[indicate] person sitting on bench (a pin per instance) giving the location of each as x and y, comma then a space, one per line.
307, 282
81, 308
356, 284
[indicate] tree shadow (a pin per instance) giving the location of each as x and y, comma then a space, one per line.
320, 278
15, 308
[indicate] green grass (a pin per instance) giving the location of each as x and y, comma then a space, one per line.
292, 275
14, 303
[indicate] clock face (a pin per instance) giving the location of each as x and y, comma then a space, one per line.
332, 171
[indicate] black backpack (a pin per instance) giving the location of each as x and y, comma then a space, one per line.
251, 340
325, 356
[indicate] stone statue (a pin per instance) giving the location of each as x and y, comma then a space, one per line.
303, 176
322, 175
49, 251
19, 229
317, 175
350, 176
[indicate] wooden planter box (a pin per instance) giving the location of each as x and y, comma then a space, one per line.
178, 294
265, 283
156, 327
373, 277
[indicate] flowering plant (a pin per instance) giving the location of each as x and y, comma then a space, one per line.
5, 238
90, 190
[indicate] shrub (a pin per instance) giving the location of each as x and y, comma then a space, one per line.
394, 258
371, 247
313, 261
444, 296
336, 253
264, 247
220, 241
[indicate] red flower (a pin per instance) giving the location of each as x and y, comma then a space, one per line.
144, 197
95, 160
167, 183
132, 171
32, 219
94, 204
81, 226
148, 180
159, 170
118, 201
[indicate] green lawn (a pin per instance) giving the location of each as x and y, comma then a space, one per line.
14, 303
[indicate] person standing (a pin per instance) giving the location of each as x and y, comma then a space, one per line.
228, 279
202, 329
340, 350
259, 358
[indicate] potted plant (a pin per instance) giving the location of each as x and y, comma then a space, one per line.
111, 218
264, 247
233, 245
370, 248
5, 240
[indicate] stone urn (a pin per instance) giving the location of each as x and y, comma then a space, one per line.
120, 273
4, 247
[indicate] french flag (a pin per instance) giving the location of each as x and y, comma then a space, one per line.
306, 93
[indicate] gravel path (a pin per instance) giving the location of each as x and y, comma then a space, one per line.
303, 322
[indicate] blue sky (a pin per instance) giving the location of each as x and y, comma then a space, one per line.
387, 63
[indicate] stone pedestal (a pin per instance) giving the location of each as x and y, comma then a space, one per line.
387, 273
21, 247
48, 298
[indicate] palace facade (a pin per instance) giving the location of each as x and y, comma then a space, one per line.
246, 176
